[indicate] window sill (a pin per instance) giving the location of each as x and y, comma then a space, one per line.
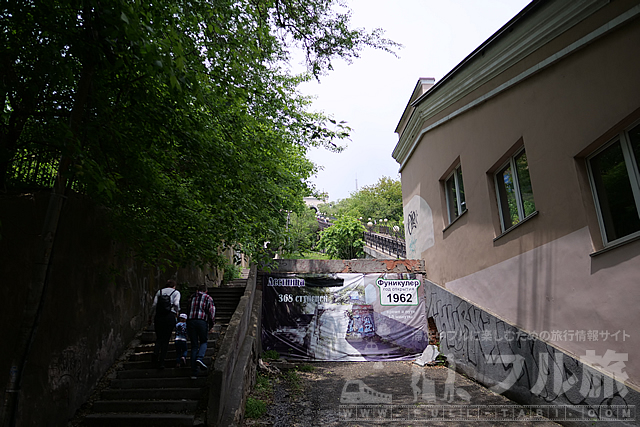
455, 220
611, 246
513, 227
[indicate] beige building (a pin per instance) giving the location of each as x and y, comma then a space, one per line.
521, 183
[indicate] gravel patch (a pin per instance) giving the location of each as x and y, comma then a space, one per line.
315, 399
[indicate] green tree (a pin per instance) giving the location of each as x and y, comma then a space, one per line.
344, 239
179, 117
302, 232
379, 201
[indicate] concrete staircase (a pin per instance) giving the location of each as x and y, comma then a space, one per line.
140, 395
226, 299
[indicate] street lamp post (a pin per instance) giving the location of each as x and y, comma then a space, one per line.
396, 229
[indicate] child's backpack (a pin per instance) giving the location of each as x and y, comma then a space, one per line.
164, 303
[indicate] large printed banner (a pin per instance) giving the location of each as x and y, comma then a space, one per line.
344, 316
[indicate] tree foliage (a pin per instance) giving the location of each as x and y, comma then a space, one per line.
180, 117
379, 201
344, 239
302, 232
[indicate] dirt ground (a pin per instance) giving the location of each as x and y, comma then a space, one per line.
383, 394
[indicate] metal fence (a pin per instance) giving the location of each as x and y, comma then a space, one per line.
383, 229
322, 223
379, 237
33, 168
37, 168
386, 244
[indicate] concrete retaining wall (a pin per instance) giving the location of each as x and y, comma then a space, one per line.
96, 299
522, 367
349, 266
234, 369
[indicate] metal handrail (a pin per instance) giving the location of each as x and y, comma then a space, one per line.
390, 244
386, 244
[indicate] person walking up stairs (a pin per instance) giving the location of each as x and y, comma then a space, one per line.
140, 394
136, 393
200, 321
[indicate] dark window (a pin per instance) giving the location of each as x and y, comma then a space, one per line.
513, 188
613, 171
454, 189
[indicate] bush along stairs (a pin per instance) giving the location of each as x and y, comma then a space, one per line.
136, 393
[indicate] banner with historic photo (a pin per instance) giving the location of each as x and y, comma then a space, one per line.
344, 316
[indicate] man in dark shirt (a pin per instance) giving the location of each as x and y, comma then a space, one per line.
202, 314
165, 320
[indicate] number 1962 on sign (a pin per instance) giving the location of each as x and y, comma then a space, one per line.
398, 292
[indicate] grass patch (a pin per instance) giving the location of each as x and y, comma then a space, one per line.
260, 397
293, 379
254, 408
263, 392
263, 383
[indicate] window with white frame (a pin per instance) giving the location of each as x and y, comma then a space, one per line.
615, 182
454, 190
513, 190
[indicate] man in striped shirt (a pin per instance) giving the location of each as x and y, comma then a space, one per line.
202, 315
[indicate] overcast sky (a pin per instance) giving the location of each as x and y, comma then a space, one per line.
371, 93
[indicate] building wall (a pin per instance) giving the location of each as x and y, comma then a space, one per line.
539, 276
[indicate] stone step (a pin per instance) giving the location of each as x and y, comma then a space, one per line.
231, 294
145, 406
142, 395
225, 302
171, 354
139, 420
168, 363
216, 330
156, 373
179, 382
225, 312
148, 337
151, 394
143, 348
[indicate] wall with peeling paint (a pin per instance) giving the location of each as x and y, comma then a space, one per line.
96, 300
348, 266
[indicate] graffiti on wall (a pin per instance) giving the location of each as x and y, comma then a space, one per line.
66, 371
512, 362
419, 231
412, 222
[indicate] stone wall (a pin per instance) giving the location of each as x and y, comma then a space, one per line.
95, 301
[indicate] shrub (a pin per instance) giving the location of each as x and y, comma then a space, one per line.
344, 239
254, 408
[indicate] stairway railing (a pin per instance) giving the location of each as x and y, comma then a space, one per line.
386, 244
